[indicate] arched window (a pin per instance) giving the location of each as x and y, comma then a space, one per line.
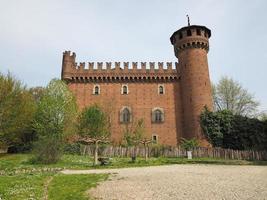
157, 115
198, 32
189, 33
96, 90
125, 115
124, 89
161, 89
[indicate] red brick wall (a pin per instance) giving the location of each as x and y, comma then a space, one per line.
142, 98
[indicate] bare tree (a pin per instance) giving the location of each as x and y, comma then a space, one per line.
230, 95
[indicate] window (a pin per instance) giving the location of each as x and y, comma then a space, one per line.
96, 90
189, 33
125, 115
124, 89
161, 89
198, 32
180, 36
157, 115
154, 139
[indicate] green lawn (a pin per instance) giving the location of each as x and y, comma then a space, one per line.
21, 179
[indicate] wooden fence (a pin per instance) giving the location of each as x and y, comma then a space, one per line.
118, 151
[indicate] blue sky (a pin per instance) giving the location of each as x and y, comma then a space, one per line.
33, 35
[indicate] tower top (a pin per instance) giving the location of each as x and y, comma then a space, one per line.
190, 28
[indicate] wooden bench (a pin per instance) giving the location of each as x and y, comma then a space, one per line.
104, 160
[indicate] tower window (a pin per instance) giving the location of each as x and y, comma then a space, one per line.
198, 32
161, 89
180, 36
124, 89
96, 90
157, 115
125, 115
189, 33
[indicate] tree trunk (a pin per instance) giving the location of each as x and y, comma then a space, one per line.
96, 154
146, 157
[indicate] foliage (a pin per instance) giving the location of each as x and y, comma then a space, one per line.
54, 120
93, 127
230, 95
189, 144
73, 148
17, 109
134, 133
227, 130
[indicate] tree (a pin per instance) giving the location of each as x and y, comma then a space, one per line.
135, 135
230, 95
16, 110
93, 128
54, 120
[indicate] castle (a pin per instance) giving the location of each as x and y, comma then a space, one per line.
169, 97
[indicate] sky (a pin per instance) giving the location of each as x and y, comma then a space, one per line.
34, 34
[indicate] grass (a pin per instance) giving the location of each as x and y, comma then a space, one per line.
21, 179
12, 162
32, 186
73, 187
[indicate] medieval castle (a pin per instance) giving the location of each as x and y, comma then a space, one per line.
169, 97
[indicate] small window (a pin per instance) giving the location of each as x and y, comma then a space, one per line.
180, 36
154, 139
198, 32
96, 90
206, 34
189, 33
124, 89
161, 89
125, 115
157, 115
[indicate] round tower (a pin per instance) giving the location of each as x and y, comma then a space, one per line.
191, 45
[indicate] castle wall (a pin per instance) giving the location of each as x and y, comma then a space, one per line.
142, 98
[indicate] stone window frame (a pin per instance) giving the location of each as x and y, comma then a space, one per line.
155, 138
122, 89
161, 85
153, 115
121, 117
94, 89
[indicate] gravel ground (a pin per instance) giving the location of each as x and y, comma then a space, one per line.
182, 182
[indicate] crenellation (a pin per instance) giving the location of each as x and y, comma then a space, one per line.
143, 65
169, 66
152, 66
108, 65
99, 65
117, 65
91, 65
126, 65
134, 64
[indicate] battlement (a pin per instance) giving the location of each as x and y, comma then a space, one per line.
72, 71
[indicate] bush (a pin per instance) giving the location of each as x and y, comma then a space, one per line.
226, 130
74, 149
47, 151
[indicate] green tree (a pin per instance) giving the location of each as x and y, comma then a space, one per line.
230, 95
93, 128
54, 121
16, 110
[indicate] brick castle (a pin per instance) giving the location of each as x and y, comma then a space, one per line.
169, 97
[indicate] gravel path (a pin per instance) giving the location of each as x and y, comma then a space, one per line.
175, 182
